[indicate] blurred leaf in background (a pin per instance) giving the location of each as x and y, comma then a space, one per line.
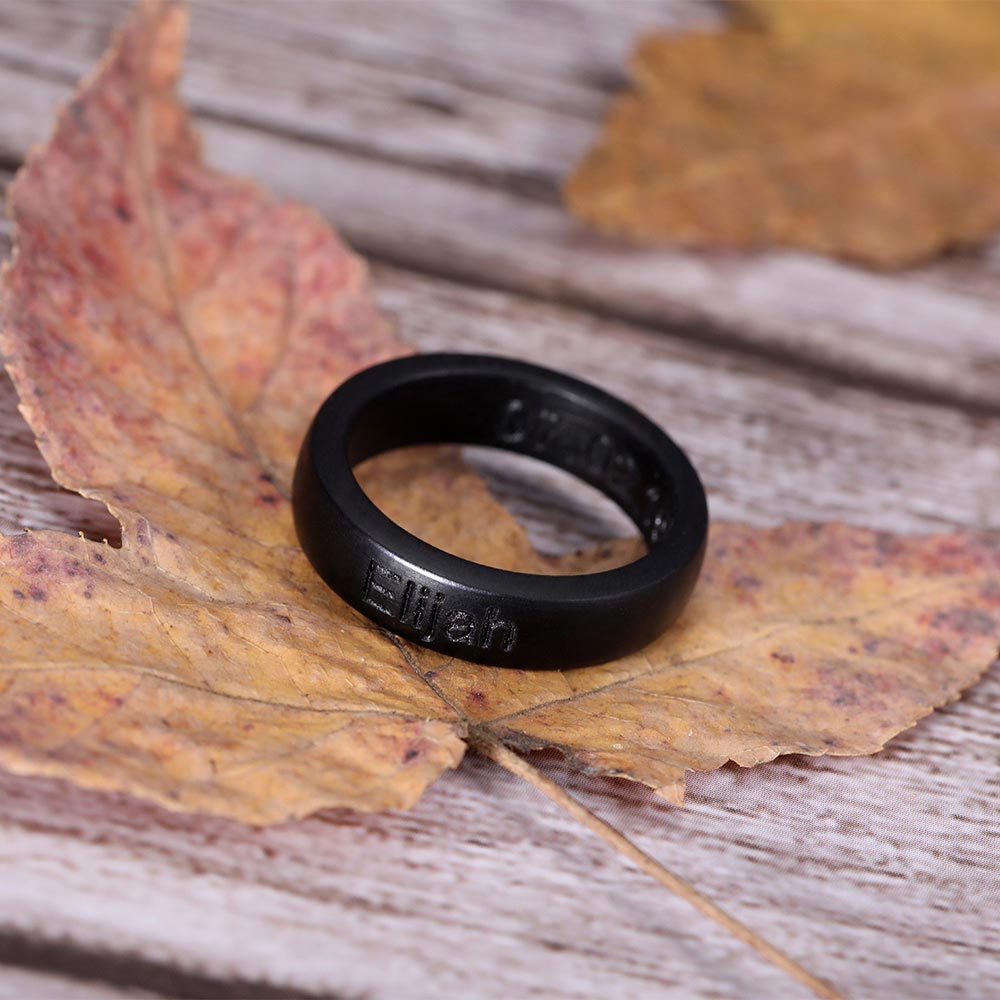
863, 130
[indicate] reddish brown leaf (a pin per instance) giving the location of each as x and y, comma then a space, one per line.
170, 331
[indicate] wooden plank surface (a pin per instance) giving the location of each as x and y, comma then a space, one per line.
361, 110
803, 389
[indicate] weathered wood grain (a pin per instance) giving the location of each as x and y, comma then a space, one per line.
878, 873
354, 109
554, 54
771, 444
881, 874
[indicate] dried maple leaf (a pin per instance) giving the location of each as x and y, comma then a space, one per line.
170, 331
861, 130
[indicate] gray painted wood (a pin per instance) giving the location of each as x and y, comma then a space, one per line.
805, 389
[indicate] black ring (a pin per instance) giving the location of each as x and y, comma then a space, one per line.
477, 612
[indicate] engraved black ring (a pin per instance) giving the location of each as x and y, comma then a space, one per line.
477, 612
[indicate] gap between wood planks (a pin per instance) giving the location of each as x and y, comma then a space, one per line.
132, 972
532, 185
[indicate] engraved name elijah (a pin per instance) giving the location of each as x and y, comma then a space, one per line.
424, 611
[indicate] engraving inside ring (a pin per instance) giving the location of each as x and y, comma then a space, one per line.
572, 442
560, 513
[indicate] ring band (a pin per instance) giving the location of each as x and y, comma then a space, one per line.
478, 612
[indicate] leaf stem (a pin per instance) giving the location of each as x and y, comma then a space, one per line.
490, 747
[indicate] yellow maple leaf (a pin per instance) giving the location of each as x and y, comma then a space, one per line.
859, 129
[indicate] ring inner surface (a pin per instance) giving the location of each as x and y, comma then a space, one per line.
559, 427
